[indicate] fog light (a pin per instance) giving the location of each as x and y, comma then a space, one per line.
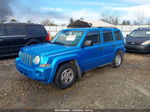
44, 65
37, 74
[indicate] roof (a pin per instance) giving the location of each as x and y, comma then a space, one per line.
89, 29
11, 23
142, 29
89, 23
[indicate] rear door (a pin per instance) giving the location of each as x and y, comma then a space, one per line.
3, 40
109, 46
15, 37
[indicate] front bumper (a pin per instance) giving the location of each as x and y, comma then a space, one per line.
40, 74
138, 48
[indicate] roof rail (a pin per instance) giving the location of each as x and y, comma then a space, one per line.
107, 27
144, 28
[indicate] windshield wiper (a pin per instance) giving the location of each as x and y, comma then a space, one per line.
57, 43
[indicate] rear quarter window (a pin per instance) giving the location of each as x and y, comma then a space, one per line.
118, 35
108, 36
35, 31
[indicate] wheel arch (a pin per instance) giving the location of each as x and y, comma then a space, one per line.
116, 51
61, 60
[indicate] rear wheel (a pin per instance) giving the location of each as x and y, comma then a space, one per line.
118, 60
65, 76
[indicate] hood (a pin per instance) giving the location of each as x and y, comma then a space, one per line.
137, 39
47, 49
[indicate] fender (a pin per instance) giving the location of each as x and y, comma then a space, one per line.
58, 60
119, 48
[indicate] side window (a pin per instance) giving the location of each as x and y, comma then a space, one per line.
31, 30
2, 30
94, 36
41, 31
118, 35
108, 36
15, 30
35, 30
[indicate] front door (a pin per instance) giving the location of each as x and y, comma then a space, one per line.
92, 55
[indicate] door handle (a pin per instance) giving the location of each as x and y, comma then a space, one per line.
114, 45
25, 38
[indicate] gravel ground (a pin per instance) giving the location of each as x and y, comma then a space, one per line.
127, 87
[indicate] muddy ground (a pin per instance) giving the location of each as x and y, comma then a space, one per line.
127, 87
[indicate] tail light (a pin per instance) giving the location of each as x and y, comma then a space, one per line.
48, 37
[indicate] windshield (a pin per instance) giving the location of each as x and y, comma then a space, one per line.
140, 34
69, 38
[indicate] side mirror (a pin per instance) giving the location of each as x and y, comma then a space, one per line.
88, 43
127, 35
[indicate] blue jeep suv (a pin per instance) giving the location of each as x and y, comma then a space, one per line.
70, 53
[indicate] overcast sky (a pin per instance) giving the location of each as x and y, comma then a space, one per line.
61, 10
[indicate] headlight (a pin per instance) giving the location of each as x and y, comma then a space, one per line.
146, 42
36, 60
20, 53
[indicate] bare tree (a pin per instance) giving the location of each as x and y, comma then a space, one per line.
71, 20
140, 16
48, 22
135, 23
29, 21
63, 25
110, 18
81, 19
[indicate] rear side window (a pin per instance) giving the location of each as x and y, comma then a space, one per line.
15, 30
41, 30
118, 35
35, 30
2, 30
108, 36
94, 36
31, 30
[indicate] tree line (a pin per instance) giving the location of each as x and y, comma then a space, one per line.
106, 17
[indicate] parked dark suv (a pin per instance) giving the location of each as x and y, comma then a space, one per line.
138, 41
13, 36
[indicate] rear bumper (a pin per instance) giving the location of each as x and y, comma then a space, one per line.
40, 74
138, 48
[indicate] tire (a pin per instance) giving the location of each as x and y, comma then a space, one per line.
118, 60
64, 80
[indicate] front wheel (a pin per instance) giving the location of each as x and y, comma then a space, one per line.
65, 75
118, 60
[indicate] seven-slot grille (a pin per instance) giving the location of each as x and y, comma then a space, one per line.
26, 58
